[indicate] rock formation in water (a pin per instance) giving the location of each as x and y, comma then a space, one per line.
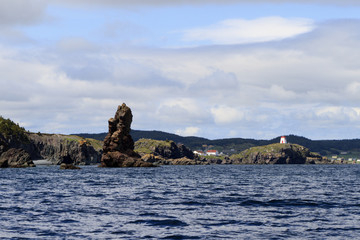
65, 166
118, 150
278, 154
15, 158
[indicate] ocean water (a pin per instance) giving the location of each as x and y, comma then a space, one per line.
181, 202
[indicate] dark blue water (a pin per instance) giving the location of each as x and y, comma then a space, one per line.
181, 202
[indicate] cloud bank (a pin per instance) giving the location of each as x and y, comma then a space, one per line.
257, 78
308, 85
21, 12
240, 31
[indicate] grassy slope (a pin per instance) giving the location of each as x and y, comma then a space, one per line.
147, 146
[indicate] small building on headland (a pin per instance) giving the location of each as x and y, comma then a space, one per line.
283, 140
212, 153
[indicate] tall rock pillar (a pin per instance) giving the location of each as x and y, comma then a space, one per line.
118, 150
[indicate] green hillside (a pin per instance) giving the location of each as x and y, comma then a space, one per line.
236, 145
11, 130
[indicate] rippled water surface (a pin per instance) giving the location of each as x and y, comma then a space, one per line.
181, 202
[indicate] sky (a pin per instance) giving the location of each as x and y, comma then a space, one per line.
209, 68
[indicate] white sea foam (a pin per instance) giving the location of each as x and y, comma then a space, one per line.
42, 162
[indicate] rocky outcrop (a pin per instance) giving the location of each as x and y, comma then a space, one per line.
65, 166
118, 150
165, 152
12, 138
169, 153
56, 148
11, 156
158, 160
165, 149
53, 147
15, 158
215, 160
277, 154
186, 161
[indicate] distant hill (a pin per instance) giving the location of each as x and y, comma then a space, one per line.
156, 135
236, 145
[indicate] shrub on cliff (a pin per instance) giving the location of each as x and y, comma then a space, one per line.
12, 130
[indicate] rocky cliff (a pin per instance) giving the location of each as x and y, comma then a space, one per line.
277, 154
54, 147
118, 149
12, 137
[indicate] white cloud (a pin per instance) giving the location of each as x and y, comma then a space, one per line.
353, 90
239, 31
226, 115
21, 12
188, 131
336, 115
218, 79
279, 93
182, 111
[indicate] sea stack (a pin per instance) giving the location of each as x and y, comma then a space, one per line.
118, 150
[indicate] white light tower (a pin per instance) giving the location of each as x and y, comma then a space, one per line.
283, 140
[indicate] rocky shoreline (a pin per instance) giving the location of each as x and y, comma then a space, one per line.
18, 147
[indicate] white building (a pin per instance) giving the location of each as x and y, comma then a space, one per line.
212, 153
199, 152
283, 140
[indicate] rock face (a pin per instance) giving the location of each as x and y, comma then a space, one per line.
165, 152
65, 149
165, 149
277, 154
53, 147
12, 138
118, 150
11, 155
15, 158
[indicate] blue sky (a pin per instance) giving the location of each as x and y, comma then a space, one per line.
216, 69
162, 26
